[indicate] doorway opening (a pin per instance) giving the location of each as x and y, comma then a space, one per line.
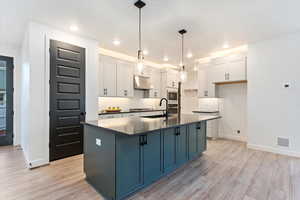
6, 101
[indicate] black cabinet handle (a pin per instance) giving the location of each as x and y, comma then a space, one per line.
177, 131
198, 128
146, 140
143, 140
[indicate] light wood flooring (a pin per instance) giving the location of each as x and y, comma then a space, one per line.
228, 170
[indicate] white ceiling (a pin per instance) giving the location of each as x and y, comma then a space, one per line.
210, 23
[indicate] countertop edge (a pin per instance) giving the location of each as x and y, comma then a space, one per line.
146, 132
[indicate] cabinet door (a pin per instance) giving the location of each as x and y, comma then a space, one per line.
152, 157
169, 150
181, 145
128, 164
192, 141
203, 83
206, 83
172, 79
237, 70
201, 137
109, 70
124, 79
218, 73
156, 84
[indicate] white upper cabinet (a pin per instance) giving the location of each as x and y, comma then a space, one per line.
206, 86
221, 70
172, 78
155, 91
230, 69
108, 79
124, 79
237, 70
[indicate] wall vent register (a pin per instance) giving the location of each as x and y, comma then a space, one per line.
283, 142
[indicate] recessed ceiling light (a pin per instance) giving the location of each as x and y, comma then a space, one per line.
74, 28
145, 52
225, 46
116, 42
189, 55
166, 59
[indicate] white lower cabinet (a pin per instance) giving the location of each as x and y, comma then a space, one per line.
213, 128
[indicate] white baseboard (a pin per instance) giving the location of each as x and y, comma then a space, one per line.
274, 150
37, 163
235, 137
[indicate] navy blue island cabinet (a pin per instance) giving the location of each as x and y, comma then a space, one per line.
117, 165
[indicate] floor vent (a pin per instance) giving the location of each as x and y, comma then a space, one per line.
283, 142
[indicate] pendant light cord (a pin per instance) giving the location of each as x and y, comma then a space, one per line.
182, 51
140, 29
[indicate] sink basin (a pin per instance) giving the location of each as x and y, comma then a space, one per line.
154, 116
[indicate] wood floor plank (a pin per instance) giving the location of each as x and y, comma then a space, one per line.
226, 171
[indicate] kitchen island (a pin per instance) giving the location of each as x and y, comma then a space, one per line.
124, 155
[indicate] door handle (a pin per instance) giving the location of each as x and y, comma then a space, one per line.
83, 113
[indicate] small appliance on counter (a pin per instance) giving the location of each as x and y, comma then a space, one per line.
212, 125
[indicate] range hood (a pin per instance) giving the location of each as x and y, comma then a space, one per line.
142, 82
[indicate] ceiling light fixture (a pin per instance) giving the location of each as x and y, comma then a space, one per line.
189, 55
166, 59
183, 73
74, 28
226, 46
145, 52
116, 42
140, 58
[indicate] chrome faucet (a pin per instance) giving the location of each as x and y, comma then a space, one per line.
167, 106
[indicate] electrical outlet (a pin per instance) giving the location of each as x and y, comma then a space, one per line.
98, 142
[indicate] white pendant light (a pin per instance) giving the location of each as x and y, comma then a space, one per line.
140, 59
183, 73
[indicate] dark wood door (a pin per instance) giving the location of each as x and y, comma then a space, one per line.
67, 99
6, 101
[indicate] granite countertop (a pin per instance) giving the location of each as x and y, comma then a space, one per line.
125, 112
140, 125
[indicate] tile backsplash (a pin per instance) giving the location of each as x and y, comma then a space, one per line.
209, 104
126, 103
